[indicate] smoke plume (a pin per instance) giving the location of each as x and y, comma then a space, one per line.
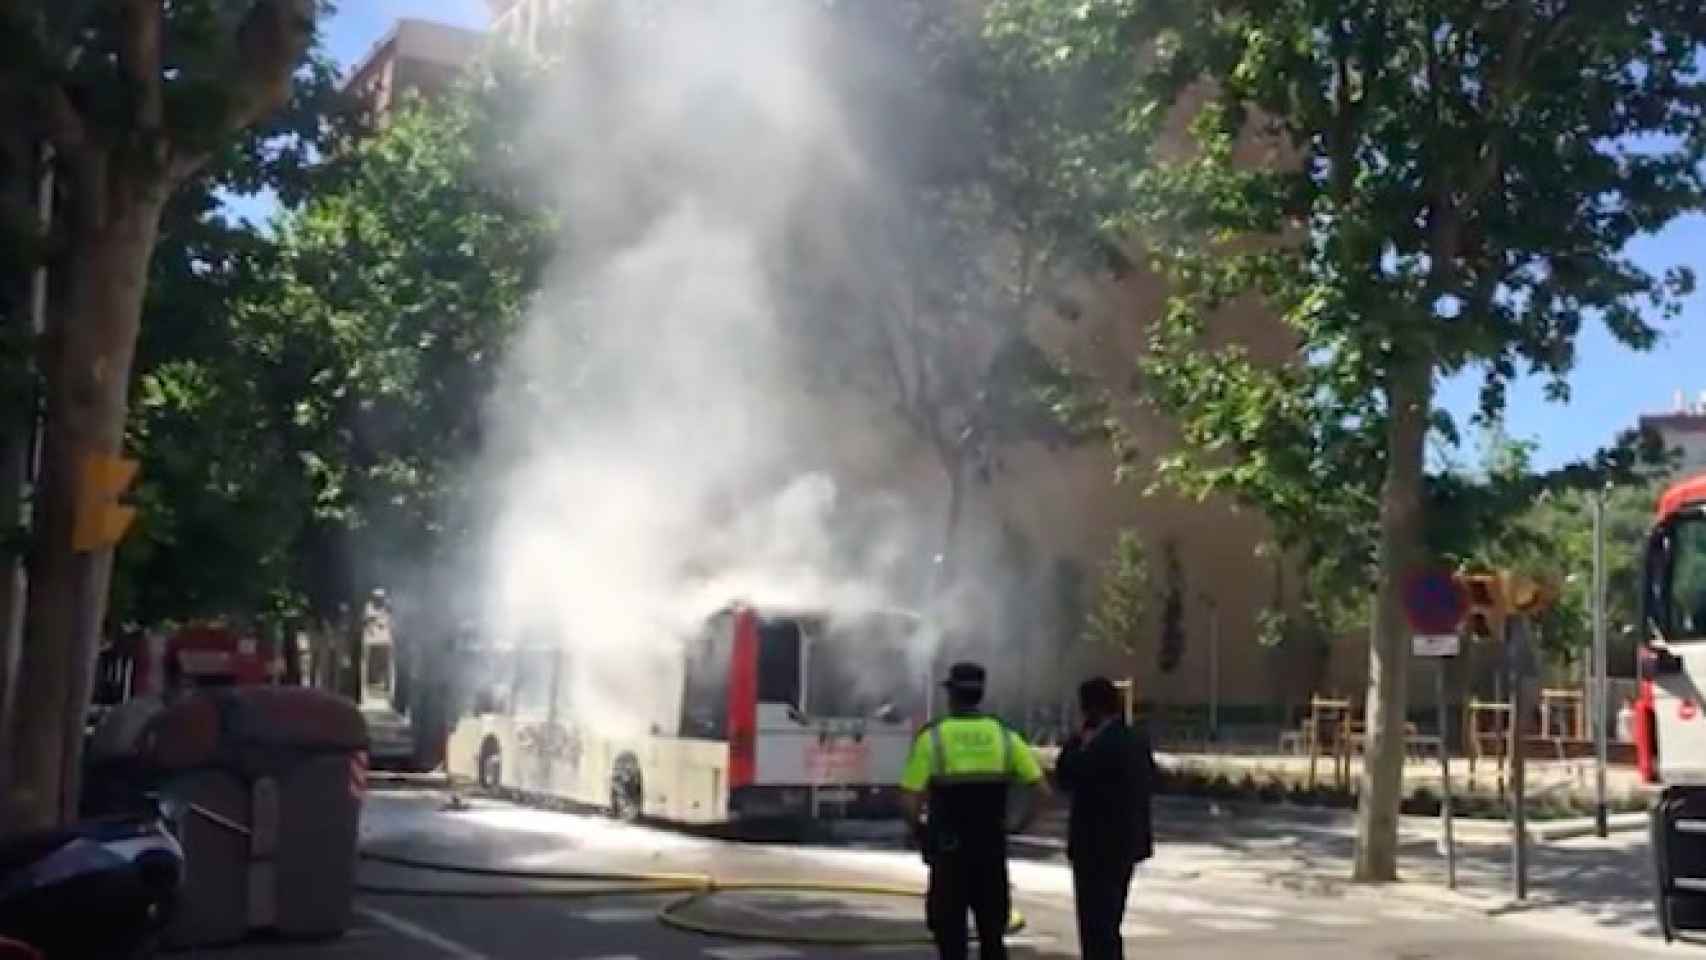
673, 433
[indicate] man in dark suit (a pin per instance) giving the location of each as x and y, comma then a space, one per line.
1107, 768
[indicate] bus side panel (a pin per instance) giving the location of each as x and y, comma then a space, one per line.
686, 781
462, 749
468, 743
743, 701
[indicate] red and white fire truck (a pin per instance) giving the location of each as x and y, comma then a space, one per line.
209, 653
1670, 714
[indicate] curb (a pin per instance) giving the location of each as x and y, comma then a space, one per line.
1572, 829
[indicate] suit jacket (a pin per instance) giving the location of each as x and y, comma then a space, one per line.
1110, 779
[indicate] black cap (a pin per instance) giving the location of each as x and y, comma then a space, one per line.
965, 676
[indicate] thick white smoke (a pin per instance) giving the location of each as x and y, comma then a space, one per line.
667, 440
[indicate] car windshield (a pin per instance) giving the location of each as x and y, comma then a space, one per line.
1687, 579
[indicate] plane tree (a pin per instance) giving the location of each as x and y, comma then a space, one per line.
126, 101
1450, 186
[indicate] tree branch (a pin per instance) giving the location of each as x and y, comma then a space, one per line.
1523, 45
270, 42
61, 121
139, 60
1345, 110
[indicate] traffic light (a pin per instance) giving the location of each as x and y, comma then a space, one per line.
99, 519
1527, 595
1487, 604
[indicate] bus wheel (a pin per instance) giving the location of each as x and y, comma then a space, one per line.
491, 765
627, 791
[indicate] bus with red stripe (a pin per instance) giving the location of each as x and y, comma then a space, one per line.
767, 713
1670, 728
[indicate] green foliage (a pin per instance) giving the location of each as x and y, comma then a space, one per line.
217, 515
977, 220
1171, 650
1465, 181
334, 387
1123, 597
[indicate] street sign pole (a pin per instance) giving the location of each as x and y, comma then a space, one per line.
1445, 777
1601, 697
1213, 672
1441, 649
1436, 603
1516, 651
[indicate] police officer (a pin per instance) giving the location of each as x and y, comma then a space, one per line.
955, 790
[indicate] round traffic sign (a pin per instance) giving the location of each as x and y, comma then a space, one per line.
1434, 602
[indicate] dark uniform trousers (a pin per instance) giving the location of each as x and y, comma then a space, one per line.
1100, 887
969, 881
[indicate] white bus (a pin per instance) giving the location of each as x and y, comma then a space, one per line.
768, 714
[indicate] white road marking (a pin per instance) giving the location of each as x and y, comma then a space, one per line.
617, 915
1193, 907
1140, 931
1244, 913
1235, 926
752, 953
1330, 920
1170, 903
1415, 915
616, 956
421, 934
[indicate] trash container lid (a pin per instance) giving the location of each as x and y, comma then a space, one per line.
206, 725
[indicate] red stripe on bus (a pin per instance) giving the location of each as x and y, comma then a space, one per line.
743, 700
1646, 734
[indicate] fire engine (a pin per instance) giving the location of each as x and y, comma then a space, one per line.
209, 653
1670, 731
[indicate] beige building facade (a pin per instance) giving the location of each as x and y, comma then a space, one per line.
417, 57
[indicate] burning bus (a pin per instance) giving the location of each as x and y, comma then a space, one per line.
766, 713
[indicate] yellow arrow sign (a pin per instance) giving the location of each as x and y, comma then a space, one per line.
100, 519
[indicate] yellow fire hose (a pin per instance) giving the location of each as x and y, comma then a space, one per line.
694, 888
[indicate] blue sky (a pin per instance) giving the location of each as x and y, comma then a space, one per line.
1610, 387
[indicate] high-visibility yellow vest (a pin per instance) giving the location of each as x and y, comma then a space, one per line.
968, 749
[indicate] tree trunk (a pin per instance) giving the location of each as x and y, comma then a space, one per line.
88, 359
1409, 391
18, 439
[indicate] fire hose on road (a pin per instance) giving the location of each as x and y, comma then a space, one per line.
693, 888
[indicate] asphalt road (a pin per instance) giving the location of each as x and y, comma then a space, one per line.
1168, 918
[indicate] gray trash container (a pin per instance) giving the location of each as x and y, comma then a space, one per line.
275, 776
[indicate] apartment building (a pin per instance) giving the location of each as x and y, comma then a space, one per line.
417, 56
1683, 429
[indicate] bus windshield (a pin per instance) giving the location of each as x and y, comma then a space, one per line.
865, 667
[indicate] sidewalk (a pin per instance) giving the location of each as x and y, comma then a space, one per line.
1578, 886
